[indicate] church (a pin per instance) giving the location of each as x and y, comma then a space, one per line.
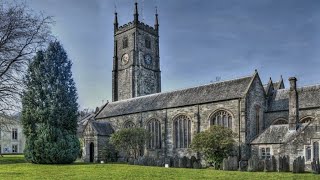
268, 119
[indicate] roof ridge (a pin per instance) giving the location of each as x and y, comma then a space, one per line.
182, 89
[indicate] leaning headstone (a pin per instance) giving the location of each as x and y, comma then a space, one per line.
315, 166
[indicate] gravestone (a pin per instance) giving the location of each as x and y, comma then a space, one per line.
196, 165
189, 163
274, 164
230, 163
267, 165
255, 164
315, 166
298, 165
283, 164
176, 162
183, 162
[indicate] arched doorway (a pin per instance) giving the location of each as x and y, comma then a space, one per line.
91, 150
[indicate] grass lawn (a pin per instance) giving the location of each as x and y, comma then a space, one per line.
14, 167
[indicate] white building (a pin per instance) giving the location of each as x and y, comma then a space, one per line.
12, 139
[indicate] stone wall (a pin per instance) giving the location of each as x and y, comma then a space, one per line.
255, 98
198, 114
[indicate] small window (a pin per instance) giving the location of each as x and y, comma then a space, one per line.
14, 134
308, 153
14, 148
257, 119
148, 43
124, 43
128, 124
316, 150
265, 153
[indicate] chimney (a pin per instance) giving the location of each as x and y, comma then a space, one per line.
293, 104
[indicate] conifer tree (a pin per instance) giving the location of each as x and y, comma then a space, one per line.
49, 108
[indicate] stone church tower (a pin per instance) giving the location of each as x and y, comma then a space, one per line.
136, 63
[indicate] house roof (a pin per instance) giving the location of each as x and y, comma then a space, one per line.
276, 134
102, 128
218, 91
309, 96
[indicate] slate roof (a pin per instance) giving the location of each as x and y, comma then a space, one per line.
309, 96
276, 134
102, 128
83, 123
230, 89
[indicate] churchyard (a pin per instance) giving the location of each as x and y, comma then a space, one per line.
15, 167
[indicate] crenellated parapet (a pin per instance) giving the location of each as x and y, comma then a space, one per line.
140, 25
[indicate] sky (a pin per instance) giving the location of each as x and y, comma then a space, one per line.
199, 40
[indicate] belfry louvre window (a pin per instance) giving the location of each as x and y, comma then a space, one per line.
222, 118
257, 112
154, 128
125, 43
182, 131
128, 124
148, 43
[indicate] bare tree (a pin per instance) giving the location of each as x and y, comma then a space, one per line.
22, 33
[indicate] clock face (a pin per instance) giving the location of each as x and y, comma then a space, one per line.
147, 59
125, 59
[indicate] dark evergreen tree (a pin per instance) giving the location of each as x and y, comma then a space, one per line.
49, 108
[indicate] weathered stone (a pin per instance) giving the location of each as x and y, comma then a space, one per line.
230, 163
183, 162
255, 164
283, 164
176, 162
267, 165
243, 165
193, 159
298, 165
189, 163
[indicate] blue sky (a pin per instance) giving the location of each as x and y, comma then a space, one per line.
199, 40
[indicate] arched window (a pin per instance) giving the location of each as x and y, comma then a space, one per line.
148, 43
124, 42
306, 120
182, 131
222, 118
154, 128
316, 150
279, 121
128, 124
